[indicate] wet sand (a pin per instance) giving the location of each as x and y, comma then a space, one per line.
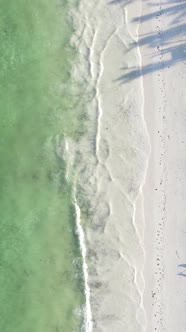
113, 157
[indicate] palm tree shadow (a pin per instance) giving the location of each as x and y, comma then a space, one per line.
170, 42
183, 273
175, 11
119, 2
177, 53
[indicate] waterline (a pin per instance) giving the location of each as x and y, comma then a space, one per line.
87, 313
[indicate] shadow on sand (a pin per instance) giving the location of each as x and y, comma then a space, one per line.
182, 273
119, 2
167, 47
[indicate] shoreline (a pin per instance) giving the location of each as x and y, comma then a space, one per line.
112, 167
87, 309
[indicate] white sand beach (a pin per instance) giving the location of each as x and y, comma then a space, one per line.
163, 48
135, 233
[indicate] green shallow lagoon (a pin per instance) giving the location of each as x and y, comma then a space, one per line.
40, 286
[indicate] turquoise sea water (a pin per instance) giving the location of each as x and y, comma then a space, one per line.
40, 286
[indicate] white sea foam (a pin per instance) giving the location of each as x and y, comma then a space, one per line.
87, 309
87, 313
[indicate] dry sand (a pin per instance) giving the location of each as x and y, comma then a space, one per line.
162, 43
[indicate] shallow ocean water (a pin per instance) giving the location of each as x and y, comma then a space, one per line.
41, 279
